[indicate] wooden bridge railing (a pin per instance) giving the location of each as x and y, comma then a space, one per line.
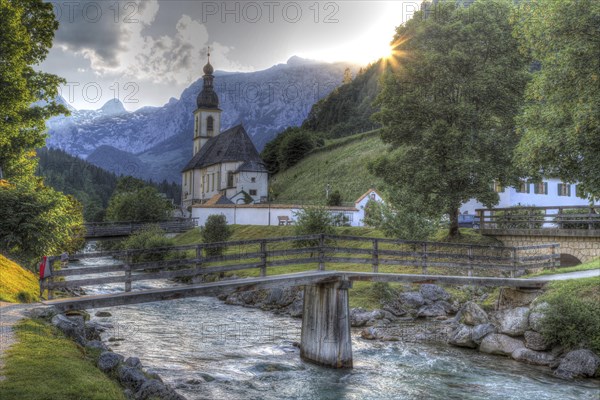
559, 217
256, 257
110, 229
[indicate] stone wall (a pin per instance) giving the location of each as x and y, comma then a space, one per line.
584, 248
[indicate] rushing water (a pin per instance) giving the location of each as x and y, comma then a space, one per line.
209, 350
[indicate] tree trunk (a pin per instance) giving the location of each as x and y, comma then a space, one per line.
453, 231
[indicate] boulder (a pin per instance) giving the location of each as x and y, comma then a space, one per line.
411, 299
578, 363
535, 341
96, 344
481, 331
296, 308
280, 297
533, 357
103, 314
133, 362
369, 333
513, 322
497, 343
131, 377
153, 389
432, 293
109, 361
360, 317
437, 309
472, 314
93, 331
46, 312
462, 336
536, 315
71, 327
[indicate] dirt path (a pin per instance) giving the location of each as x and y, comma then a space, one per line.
10, 314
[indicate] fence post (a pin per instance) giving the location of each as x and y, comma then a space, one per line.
199, 257
375, 255
127, 272
322, 252
263, 258
50, 279
470, 253
424, 257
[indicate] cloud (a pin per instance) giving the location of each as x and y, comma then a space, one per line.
116, 38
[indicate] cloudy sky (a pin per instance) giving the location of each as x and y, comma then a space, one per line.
144, 52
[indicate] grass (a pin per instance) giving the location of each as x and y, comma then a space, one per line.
594, 264
44, 365
306, 181
17, 285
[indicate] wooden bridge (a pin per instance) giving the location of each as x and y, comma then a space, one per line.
575, 228
102, 230
325, 337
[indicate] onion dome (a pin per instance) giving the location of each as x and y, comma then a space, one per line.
208, 97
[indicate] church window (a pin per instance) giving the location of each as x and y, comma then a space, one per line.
212, 185
252, 192
196, 126
185, 176
229, 178
210, 122
253, 179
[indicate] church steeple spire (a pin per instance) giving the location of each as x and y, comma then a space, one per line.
208, 97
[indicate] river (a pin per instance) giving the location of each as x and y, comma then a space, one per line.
209, 350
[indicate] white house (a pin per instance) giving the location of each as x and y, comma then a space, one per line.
273, 214
223, 163
550, 192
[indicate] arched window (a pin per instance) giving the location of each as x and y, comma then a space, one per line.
210, 121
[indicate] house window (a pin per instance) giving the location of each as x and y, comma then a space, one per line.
253, 180
564, 189
252, 192
540, 188
498, 187
229, 179
210, 122
523, 187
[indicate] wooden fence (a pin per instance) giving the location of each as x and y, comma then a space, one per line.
301, 253
561, 218
116, 229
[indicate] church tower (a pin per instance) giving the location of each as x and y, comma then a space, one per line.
207, 117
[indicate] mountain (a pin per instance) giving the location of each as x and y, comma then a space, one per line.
158, 139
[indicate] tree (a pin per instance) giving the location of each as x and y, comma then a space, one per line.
560, 123
335, 199
137, 203
26, 35
313, 220
215, 230
447, 109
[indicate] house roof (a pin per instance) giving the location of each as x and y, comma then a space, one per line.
232, 145
272, 206
366, 194
218, 199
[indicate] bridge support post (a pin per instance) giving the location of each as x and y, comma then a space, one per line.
325, 338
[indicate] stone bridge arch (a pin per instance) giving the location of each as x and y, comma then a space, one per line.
572, 248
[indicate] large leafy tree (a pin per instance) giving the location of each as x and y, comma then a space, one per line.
561, 121
448, 107
26, 34
34, 219
134, 200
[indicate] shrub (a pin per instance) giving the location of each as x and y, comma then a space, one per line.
25, 297
215, 230
313, 221
149, 237
572, 319
335, 199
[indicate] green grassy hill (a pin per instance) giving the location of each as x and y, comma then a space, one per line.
17, 285
341, 163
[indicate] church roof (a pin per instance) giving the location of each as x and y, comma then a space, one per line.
218, 198
252, 166
230, 146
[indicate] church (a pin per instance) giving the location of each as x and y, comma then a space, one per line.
225, 167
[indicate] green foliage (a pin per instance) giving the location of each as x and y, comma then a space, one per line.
335, 199
150, 237
560, 123
448, 107
36, 220
26, 35
25, 297
289, 147
347, 109
405, 221
313, 220
576, 214
133, 200
573, 317
16, 283
215, 230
